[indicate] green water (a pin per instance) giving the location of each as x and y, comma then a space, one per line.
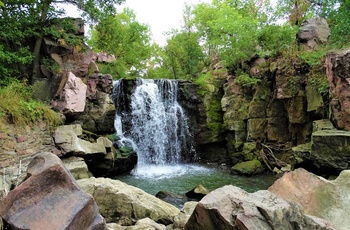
182, 178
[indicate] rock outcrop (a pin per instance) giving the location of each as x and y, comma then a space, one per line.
313, 32
318, 196
230, 207
100, 155
338, 72
50, 199
124, 204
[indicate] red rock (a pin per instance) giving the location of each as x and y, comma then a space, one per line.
50, 199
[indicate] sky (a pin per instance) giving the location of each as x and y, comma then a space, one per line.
160, 15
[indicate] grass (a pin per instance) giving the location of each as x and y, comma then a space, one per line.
17, 105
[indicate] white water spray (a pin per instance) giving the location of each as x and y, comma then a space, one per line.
158, 125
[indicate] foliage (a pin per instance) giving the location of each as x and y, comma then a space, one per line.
126, 38
16, 104
246, 81
184, 55
274, 39
339, 21
25, 23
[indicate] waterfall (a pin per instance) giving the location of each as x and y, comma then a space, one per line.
158, 126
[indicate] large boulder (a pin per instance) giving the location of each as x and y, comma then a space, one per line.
313, 32
125, 204
330, 149
71, 98
50, 199
338, 72
230, 207
319, 197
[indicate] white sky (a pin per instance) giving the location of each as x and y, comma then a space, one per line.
160, 15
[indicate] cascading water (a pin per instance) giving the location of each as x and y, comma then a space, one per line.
158, 126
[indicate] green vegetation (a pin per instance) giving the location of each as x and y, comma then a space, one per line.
246, 81
17, 106
122, 35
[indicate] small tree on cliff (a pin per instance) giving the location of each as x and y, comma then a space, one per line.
33, 20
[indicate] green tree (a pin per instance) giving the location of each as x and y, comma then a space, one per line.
229, 28
27, 22
339, 20
126, 38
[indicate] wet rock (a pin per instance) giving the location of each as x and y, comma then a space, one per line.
197, 192
248, 168
313, 32
50, 199
230, 207
119, 202
327, 199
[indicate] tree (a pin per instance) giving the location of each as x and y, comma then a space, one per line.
126, 38
298, 10
228, 28
339, 21
32, 20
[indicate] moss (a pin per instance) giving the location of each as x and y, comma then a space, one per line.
248, 168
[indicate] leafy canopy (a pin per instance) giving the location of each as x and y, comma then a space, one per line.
123, 36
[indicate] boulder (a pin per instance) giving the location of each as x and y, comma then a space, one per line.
104, 57
248, 168
68, 142
185, 213
330, 149
50, 199
77, 167
197, 192
71, 99
338, 73
230, 207
143, 224
319, 197
122, 203
312, 32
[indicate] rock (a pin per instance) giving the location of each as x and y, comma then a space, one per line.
104, 57
143, 224
318, 196
50, 199
185, 213
257, 129
277, 129
119, 202
197, 192
77, 167
324, 124
313, 32
230, 207
330, 149
76, 128
172, 198
69, 142
72, 97
248, 168
338, 68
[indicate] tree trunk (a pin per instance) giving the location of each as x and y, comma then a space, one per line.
39, 41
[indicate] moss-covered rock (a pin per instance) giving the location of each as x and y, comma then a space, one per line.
248, 168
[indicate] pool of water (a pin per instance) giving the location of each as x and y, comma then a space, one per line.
182, 178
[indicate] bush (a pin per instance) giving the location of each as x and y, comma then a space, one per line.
18, 106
